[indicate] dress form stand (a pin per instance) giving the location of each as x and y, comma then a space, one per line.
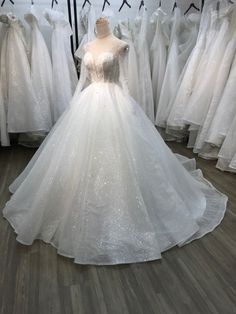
105, 40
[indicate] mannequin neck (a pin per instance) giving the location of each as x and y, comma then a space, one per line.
103, 30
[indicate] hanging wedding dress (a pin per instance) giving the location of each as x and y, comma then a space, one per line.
64, 71
227, 154
188, 77
145, 81
225, 112
103, 187
152, 30
201, 147
133, 75
158, 52
4, 137
3, 28
202, 93
41, 68
172, 71
88, 20
187, 41
182, 40
22, 107
82, 24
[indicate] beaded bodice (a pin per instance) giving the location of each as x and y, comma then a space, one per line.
102, 68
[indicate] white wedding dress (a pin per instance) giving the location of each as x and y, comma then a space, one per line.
104, 188
187, 80
87, 20
23, 112
226, 110
227, 153
158, 52
182, 40
202, 93
4, 137
145, 80
41, 68
64, 71
201, 146
133, 74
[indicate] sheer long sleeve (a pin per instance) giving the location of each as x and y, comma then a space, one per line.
123, 64
83, 82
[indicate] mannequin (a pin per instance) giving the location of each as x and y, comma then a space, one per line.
105, 41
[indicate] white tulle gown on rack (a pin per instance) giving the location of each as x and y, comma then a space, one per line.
133, 76
145, 81
4, 137
41, 68
64, 71
225, 112
182, 40
87, 20
227, 154
189, 75
158, 52
202, 93
103, 187
22, 106
223, 79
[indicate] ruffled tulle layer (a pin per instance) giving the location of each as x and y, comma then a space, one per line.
104, 188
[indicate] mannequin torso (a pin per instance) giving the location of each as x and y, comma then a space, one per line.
105, 41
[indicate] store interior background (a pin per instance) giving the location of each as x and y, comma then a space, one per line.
22, 6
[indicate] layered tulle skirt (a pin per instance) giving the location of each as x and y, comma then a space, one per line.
104, 188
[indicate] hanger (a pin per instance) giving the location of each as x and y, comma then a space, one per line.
174, 7
104, 4
141, 5
32, 2
218, 6
86, 1
52, 4
192, 5
159, 3
203, 2
2, 4
124, 2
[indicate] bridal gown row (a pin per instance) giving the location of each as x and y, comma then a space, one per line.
64, 72
104, 188
22, 107
35, 90
173, 49
174, 78
202, 105
220, 110
41, 68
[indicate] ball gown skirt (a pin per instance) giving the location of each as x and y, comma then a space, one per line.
104, 188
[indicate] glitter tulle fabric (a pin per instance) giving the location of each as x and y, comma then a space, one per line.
104, 188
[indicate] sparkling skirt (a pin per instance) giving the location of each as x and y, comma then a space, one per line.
104, 188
